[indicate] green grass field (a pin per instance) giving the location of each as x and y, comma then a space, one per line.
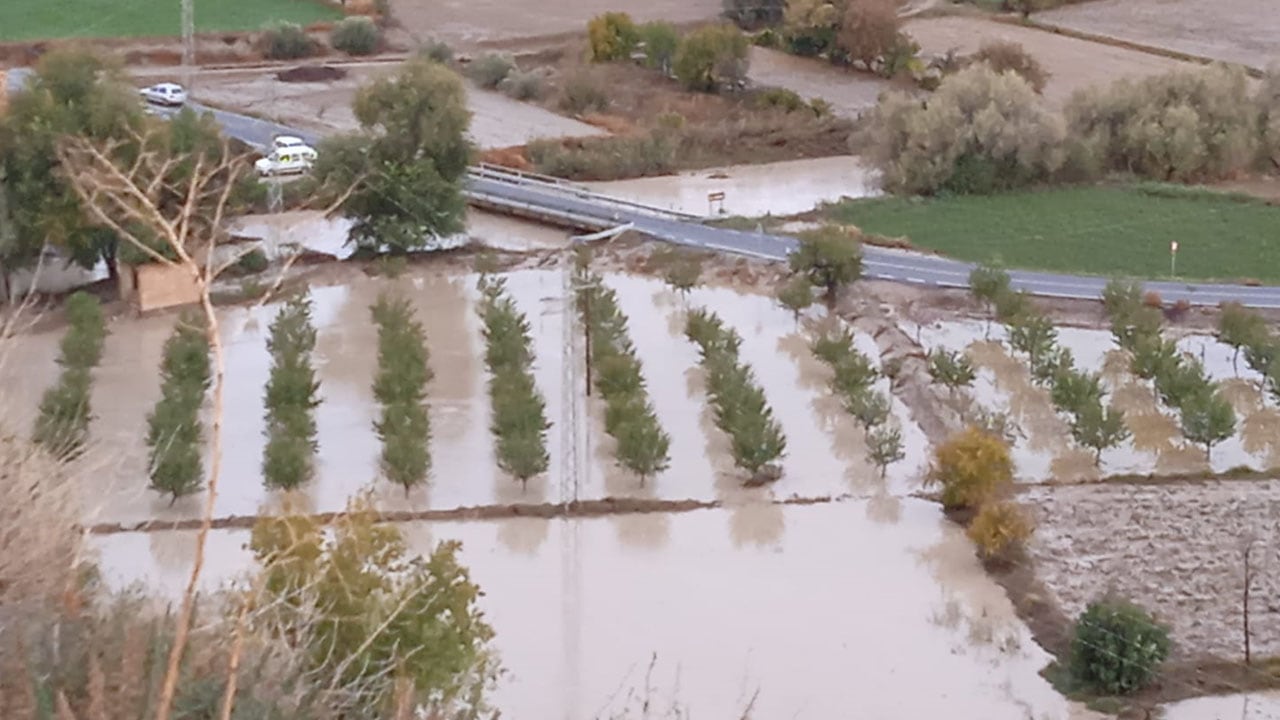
1122, 230
49, 19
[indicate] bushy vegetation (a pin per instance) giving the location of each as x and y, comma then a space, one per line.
402, 174
741, 411
372, 618
789, 101
1183, 126
643, 447
972, 467
1180, 380
865, 32
830, 257
286, 41
951, 368
980, 132
999, 529
62, 426
400, 387
489, 70
607, 158
1117, 647
1269, 116
519, 411
292, 395
356, 36
660, 41
584, 94
175, 434
522, 85
437, 51
712, 58
796, 295
751, 14
611, 37
1006, 56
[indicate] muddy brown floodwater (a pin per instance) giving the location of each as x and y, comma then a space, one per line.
840, 614
1045, 450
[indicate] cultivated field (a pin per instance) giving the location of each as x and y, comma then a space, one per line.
1239, 31
471, 21
1072, 64
46, 19
1104, 230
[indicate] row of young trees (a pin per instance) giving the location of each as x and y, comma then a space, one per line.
643, 447
1247, 331
400, 387
175, 433
741, 410
62, 426
1181, 382
1077, 393
853, 381
292, 395
519, 410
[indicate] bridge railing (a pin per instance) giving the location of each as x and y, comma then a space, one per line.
579, 192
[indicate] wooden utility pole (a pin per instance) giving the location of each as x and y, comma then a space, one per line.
1248, 580
188, 41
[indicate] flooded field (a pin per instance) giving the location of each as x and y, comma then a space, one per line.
819, 610
1187, 539
1245, 706
826, 454
1045, 450
850, 93
782, 188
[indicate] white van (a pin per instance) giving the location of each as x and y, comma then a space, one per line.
286, 161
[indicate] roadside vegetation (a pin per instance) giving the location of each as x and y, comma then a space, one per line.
519, 411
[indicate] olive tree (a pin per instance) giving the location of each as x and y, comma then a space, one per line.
712, 57
951, 368
830, 257
980, 132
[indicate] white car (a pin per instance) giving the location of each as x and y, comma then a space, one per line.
164, 94
288, 142
286, 161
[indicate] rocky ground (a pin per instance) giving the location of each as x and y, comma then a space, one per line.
1177, 549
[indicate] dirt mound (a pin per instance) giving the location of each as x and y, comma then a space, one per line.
311, 73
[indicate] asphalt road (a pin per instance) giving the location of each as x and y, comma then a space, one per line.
880, 263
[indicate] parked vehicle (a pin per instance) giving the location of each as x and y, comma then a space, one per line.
286, 161
171, 94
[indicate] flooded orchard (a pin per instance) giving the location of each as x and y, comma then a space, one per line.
828, 609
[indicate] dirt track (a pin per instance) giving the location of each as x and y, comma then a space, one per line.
1072, 63
1240, 31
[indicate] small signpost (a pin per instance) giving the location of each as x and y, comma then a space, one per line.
1173, 258
714, 198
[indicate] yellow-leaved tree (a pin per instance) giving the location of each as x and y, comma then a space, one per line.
972, 466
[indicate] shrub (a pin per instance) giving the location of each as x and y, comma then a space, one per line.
1003, 56
1117, 647
437, 50
1183, 125
830, 257
612, 36
751, 14
286, 41
254, 261
980, 132
779, 98
868, 30
356, 36
488, 71
810, 26
583, 94
713, 57
972, 467
660, 41
1268, 99
522, 86
62, 426
999, 530
606, 158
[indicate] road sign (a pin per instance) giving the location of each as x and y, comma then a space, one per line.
712, 199
1173, 258
715, 197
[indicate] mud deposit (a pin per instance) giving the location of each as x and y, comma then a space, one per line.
791, 607
1174, 548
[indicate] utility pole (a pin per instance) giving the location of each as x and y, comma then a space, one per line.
188, 41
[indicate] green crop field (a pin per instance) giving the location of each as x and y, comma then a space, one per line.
49, 19
1110, 230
